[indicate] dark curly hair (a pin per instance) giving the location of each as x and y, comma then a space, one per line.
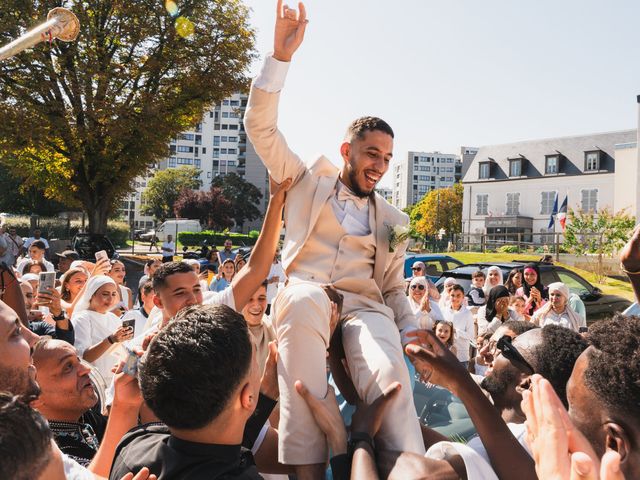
194, 365
613, 373
360, 126
25, 439
518, 326
556, 355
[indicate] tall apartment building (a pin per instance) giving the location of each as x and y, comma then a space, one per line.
385, 193
422, 172
217, 145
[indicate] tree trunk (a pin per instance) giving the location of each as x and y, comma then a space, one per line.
98, 216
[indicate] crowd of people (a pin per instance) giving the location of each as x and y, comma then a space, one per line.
305, 368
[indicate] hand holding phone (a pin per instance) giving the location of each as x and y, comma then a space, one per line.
47, 282
130, 324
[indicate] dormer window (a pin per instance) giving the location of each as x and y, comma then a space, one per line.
592, 161
485, 171
552, 164
515, 167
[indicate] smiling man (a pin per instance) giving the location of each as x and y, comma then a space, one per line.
66, 399
340, 232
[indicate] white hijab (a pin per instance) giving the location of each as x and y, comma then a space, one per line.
542, 313
92, 287
487, 286
415, 306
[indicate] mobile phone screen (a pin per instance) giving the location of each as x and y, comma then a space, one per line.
130, 323
47, 281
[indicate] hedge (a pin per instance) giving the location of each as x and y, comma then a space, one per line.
196, 239
59, 228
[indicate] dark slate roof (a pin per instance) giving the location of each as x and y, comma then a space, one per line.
572, 150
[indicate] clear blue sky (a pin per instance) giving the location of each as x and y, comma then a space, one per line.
458, 72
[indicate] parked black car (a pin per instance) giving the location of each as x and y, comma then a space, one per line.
598, 304
87, 244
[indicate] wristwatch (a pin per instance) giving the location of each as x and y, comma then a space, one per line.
357, 437
59, 318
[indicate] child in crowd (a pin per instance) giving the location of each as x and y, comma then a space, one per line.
518, 304
480, 363
462, 319
445, 332
476, 296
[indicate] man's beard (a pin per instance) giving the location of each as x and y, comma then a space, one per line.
498, 384
19, 382
353, 180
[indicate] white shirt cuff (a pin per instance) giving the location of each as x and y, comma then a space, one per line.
272, 76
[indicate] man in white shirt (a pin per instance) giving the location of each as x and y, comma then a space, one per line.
14, 243
462, 319
37, 252
36, 236
168, 249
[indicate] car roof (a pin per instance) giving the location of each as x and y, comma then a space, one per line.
431, 256
468, 269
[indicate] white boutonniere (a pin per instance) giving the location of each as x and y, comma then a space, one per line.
397, 235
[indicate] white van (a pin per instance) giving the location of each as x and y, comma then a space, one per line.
175, 226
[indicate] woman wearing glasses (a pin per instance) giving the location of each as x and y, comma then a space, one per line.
425, 309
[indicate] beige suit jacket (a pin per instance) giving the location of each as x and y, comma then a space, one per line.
313, 185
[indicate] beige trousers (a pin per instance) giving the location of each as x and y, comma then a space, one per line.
374, 354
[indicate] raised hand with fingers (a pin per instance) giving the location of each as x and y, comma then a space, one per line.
559, 449
289, 32
434, 362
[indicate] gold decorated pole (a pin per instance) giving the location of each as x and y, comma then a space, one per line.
61, 24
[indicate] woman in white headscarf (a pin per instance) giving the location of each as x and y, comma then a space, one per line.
444, 296
494, 278
557, 310
98, 331
425, 308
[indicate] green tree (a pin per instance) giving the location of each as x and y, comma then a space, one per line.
243, 197
164, 189
85, 118
441, 208
18, 197
600, 233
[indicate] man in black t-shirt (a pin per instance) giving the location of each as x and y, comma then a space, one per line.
66, 399
200, 377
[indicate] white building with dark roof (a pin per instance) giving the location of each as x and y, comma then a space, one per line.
510, 189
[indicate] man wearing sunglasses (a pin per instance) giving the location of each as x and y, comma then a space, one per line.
500, 445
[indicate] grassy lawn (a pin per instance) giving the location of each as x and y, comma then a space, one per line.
611, 285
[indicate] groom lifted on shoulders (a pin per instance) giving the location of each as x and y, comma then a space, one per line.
339, 232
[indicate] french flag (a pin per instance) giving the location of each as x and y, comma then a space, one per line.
562, 213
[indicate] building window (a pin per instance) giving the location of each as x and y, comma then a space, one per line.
186, 136
235, 103
208, 174
172, 162
216, 153
482, 204
551, 164
546, 202
198, 139
233, 127
513, 203
233, 139
485, 169
515, 168
590, 200
185, 149
197, 162
225, 114
225, 102
591, 161
232, 151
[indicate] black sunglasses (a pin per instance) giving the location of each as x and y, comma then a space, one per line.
512, 354
416, 268
419, 287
